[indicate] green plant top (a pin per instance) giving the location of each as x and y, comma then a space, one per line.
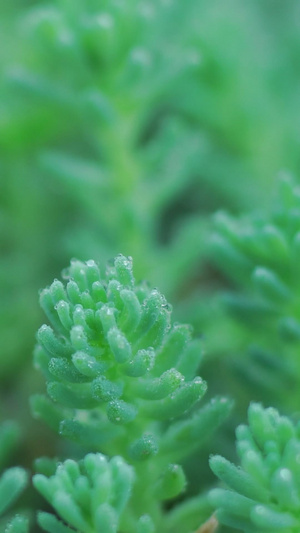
89, 496
266, 247
264, 493
122, 380
114, 353
260, 253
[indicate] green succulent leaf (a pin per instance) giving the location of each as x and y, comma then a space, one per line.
88, 496
19, 524
122, 379
112, 351
263, 494
259, 252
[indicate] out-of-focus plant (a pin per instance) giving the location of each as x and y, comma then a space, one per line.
121, 135
263, 493
12, 482
260, 253
123, 125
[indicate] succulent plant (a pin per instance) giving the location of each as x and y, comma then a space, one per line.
122, 380
263, 493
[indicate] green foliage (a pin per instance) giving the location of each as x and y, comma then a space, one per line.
12, 481
260, 254
121, 379
124, 125
112, 351
90, 497
18, 524
128, 138
264, 493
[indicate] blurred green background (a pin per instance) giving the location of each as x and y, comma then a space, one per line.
124, 125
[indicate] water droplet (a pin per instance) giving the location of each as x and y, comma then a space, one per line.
91, 263
168, 307
198, 380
